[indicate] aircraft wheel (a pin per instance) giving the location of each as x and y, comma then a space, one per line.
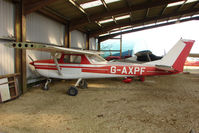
83, 84
72, 91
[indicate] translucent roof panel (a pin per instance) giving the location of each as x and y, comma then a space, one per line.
196, 15
138, 27
91, 4
175, 3
185, 17
189, 1
122, 17
162, 22
106, 21
110, 1
148, 25
172, 20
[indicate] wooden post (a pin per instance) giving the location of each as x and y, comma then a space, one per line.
87, 41
67, 37
98, 46
120, 45
20, 55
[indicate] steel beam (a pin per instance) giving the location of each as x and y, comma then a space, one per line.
29, 8
97, 17
103, 38
87, 42
53, 16
67, 37
20, 55
106, 29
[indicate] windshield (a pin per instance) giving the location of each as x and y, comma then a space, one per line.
96, 59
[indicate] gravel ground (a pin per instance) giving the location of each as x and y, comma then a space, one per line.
161, 104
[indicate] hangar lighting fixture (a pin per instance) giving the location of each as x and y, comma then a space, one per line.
106, 21
189, 1
91, 4
122, 17
175, 4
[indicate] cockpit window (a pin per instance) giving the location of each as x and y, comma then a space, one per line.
96, 59
72, 59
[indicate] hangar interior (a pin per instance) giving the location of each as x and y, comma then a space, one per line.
80, 24
162, 104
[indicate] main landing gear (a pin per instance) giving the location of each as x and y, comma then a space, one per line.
46, 85
73, 90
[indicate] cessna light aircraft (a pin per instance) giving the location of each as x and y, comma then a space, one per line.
82, 64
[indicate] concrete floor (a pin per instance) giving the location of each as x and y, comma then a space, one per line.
165, 104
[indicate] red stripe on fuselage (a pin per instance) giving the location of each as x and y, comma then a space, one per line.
111, 69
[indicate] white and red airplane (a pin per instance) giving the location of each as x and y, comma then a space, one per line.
82, 64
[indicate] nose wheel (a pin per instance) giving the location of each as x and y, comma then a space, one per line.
73, 90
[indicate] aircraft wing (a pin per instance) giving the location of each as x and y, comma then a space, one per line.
164, 68
49, 48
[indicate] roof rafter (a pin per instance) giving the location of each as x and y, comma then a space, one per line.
104, 30
29, 8
105, 5
53, 15
74, 3
131, 15
80, 22
147, 12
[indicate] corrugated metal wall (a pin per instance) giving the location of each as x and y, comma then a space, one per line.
39, 29
6, 31
92, 42
44, 30
6, 19
78, 39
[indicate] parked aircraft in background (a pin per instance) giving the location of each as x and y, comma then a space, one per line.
191, 63
79, 64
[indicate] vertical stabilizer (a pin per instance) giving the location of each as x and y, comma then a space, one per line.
176, 57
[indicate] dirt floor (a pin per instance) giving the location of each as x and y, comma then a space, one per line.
165, 104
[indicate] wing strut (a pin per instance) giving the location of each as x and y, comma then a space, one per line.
56, 63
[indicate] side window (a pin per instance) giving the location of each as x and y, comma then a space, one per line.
72, 59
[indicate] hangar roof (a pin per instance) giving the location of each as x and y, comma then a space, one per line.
105, 18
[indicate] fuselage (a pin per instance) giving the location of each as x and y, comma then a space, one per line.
89, 67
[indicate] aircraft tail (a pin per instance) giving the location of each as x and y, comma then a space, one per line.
176, 57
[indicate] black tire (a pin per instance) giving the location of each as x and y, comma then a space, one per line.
83, 84
72, 91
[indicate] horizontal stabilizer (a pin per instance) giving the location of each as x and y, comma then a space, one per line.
49, 48
164, 68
